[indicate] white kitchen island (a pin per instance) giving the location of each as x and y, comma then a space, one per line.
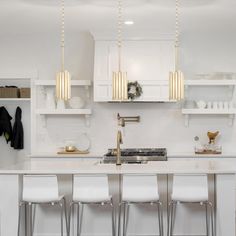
224, 190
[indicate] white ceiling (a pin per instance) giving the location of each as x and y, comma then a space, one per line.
32, 16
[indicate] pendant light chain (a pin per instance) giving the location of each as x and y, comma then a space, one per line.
63, 79
119, 33
63, 35
176, 77
177, 23
176, 33
119, 78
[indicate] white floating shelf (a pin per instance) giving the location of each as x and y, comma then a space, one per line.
229, 112
64, 112
208, 111
15, 99
73, 82
210, 82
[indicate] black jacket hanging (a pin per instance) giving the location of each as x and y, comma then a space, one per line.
5, 124
18, 132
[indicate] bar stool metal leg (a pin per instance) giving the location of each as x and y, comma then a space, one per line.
127, 217
207, 223
124, 219
19, 217
119, 218
65, 213
72, 206
78, 219
62, 212
113, 219
160, 218
168, 219
212, 219
30, 219
171, 218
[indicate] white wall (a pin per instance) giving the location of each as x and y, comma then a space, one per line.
162, 125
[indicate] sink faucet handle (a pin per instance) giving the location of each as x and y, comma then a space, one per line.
122, 120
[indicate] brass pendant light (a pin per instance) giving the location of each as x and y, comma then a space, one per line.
119, 78
176, 78
63, 81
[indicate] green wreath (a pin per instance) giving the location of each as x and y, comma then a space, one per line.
134, 90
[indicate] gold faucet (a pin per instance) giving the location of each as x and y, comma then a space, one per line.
122, 120
118, 150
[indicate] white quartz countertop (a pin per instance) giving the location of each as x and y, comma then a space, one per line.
94, 167
100, 155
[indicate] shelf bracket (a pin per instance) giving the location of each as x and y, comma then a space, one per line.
87, 91
231, 120
231, 92
186, 120
87, 120
43, 120
186, 90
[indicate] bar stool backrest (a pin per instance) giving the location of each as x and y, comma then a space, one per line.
190, 188
89, 187
40, 188
191, 180
140, 187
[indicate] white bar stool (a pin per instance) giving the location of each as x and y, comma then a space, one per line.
41, 189
90, 189
139, 189
190, 189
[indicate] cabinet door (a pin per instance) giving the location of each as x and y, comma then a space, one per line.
148, 62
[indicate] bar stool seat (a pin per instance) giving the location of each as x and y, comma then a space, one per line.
42, 199
142, 198
198, 194
84, 192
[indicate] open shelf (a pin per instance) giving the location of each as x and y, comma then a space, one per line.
228, 112
64, 112
15, 99
73, 82
210, 82
208, 111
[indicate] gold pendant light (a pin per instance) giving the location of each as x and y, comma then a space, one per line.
176, 78
119, 78
63, 81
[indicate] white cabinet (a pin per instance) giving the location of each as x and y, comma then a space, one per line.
148, 62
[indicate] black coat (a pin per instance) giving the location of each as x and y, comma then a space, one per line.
5, 124
18, 132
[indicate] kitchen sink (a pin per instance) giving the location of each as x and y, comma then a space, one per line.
136, 155
123, 161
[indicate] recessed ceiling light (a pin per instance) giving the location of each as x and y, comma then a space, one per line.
129, 22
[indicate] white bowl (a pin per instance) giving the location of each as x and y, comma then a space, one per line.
201, 104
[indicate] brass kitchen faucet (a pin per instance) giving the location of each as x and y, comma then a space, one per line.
122, 120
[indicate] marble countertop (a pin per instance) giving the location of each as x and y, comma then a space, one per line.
94, 167
170, 155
